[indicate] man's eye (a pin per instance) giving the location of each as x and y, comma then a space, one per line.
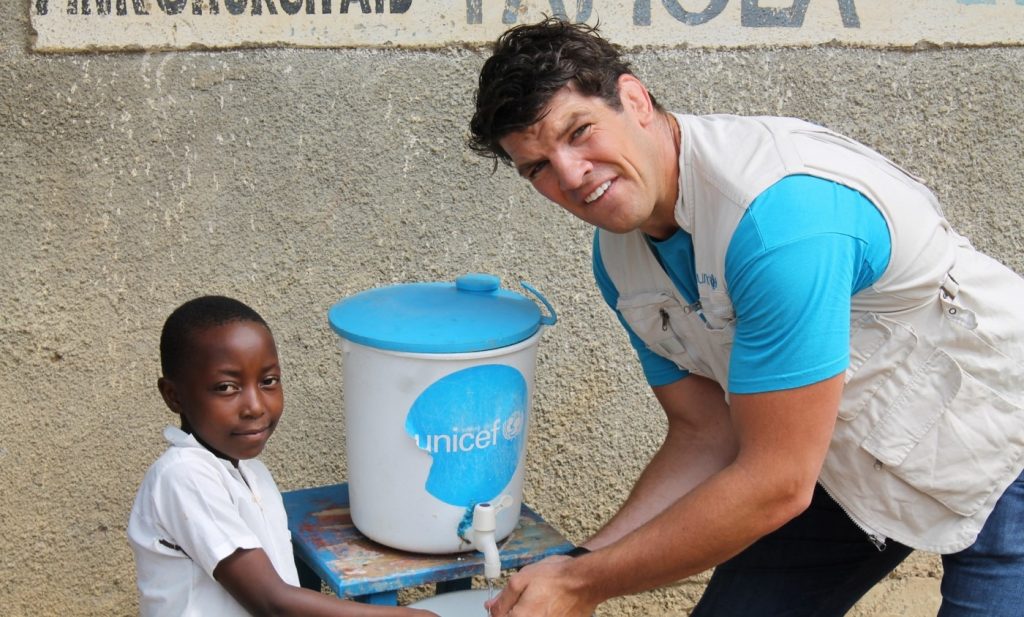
536, 169
581, 131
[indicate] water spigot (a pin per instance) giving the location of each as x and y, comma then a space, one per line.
484, 524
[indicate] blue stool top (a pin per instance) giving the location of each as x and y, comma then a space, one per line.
353, 565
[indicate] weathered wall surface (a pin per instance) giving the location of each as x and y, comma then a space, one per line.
190, 24
291, 178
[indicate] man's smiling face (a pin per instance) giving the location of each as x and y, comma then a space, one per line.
599, 163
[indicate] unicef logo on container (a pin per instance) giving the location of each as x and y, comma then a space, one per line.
471, 423
513, 426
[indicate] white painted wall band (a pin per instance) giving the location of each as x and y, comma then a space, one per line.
70, 25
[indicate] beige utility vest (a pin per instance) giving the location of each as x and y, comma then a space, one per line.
931, 427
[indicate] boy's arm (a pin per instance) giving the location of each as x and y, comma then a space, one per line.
250, 578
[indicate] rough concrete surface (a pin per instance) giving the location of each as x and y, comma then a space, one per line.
291, 178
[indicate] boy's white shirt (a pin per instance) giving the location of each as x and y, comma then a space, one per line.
192, 510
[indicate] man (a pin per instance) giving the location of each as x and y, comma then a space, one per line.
840, 370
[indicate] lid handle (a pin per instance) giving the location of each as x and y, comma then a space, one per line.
478, 283
547, 320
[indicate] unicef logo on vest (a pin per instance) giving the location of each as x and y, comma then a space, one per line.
706, 278
472, 423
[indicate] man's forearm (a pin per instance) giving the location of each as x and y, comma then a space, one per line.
680, 464
783, 437
700, 441
707, 526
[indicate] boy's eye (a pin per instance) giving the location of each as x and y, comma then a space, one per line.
270, 382
225, 387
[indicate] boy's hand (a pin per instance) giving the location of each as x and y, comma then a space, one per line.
250, 577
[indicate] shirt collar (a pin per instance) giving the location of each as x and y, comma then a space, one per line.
179, 438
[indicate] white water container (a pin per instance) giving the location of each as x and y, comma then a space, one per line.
438, 382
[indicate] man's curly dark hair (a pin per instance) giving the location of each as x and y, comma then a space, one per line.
530, 64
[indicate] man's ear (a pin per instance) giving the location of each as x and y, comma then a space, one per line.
166, 387
635, 98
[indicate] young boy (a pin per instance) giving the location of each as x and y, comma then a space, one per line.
208, 529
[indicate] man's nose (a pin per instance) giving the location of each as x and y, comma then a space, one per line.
571, 170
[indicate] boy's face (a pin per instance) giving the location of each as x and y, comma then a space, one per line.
229, 392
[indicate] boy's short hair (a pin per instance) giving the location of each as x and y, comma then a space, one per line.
195, 315
530, 64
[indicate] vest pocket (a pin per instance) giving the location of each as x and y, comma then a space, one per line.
949, 436
929, 410
655, 317
718, 312
878, 347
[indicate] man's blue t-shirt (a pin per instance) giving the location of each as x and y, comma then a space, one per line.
803, 248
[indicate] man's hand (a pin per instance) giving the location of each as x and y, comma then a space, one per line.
782, 438
544, 589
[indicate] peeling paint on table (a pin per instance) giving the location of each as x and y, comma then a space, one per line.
352, 565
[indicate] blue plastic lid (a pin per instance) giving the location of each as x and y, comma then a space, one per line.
471, 314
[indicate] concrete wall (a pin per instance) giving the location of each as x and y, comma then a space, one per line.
291, 178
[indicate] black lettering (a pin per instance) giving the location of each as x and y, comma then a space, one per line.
103, 7
754, 16
396, 6
170, 7
138, 6
42, 7
236, 7
474, 11
291, 6
257, 7
197, 7
364, 5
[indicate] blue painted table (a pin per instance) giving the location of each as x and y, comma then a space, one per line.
329, 548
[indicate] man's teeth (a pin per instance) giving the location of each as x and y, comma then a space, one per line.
598, 192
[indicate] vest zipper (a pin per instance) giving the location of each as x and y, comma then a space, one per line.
693, 307
876, 539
